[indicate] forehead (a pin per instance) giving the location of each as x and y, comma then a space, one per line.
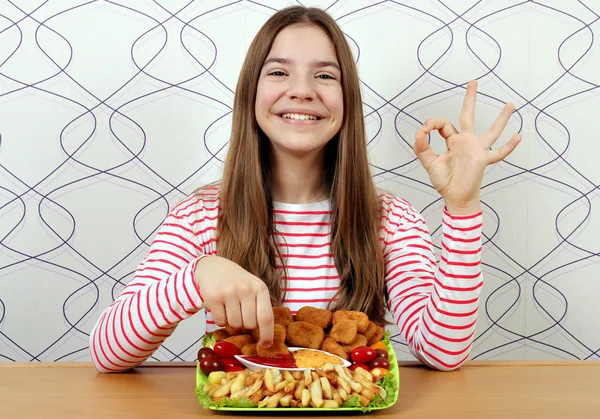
303, 43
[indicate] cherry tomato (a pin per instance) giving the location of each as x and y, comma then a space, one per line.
234, 368
205, 353
210, 364
381, 353
379, 345
226, 350
231, 362
355, 366
363, 354
380, 363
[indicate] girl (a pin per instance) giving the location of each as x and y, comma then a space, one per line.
296, 219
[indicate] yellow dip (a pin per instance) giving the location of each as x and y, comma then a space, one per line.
306, 358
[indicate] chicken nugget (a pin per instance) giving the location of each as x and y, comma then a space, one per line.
249, 349
343, 331
220, 334
360, 318
278, 349
370, 330
239, 340
359, 340
331, 346
282, 316
234, 331
279, 332
305, 334
319, 316
379, 332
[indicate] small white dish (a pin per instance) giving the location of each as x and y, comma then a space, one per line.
253, 366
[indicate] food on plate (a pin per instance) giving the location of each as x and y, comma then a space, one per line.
359, 340
240, 340
282, 316
344, 331
370, 330
318, 316
306, 358
358, 317
329, 387
236, 330
249, 349
305, 334
276, 350
379, 333
331, 346
220, 334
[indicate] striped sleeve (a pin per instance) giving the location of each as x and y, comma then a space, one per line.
435, 307
162, 292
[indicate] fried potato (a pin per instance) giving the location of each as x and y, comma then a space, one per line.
358, 317
282, 316
317, 316
305, 334
239, 340
331, 346
343, 331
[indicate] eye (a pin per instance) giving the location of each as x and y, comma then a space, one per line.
325, 77
277, 73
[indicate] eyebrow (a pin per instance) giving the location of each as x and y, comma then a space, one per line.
318, 64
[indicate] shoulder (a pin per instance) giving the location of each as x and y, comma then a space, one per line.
397, 211
201, 205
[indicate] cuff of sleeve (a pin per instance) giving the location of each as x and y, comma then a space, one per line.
192, 286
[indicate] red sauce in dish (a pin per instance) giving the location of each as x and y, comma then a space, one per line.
277, 362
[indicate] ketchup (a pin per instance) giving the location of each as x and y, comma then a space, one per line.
277, 362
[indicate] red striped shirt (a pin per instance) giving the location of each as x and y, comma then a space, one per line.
435, 307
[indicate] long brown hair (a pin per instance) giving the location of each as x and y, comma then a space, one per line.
245, 225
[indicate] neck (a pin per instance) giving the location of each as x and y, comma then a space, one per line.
298, 180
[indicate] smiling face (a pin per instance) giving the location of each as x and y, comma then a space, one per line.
299, 100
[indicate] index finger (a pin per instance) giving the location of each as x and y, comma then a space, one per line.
467, 114
264, 317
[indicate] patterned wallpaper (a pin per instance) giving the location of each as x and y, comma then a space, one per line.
112, 111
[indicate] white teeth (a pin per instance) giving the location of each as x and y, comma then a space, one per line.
299, 117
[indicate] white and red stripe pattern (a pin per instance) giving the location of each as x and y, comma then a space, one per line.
435, 307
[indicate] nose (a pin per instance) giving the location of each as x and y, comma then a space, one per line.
301, 87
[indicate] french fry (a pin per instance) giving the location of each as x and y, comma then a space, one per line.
305, 397
299, 388
280, 386
343, 394
330, 404
326, 387
256, 397
307, 378
364, 374
208, 387
327, 367
274, 399
314, 375
263, 402
238, 383
356, 387
316, 393
247, 392
367, 384
344, 385
285, 400
289, 388
269, 384
297, 375
222, 391
277, 378
288, 377
335, 395
294, 403
363, 400
368, 394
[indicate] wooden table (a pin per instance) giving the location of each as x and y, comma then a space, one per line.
478, 390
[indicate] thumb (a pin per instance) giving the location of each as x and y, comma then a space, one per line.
422, 149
